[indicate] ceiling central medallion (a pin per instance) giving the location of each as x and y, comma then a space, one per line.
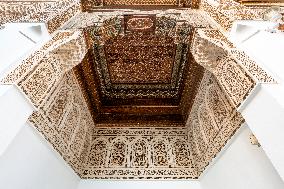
139, 23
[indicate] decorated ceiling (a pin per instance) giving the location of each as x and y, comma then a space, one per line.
140, 66
143, 92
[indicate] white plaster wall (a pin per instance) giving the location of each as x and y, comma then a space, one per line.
13, 45
242, 166
17, 41
31, 163
267, 50
264, 109
138, 184
14, 112
265, 116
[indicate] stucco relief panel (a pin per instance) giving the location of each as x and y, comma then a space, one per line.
212, 121
147, 153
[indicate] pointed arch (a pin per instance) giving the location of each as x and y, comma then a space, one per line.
139, 153
118, 150
161, 152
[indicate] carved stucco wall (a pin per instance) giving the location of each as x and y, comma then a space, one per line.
62, 116
65, 122
225, 12
167, 153
235, 71
230, 78
140, 153
38, 73
53, 13
212, 122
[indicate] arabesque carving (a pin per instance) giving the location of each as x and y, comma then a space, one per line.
225, 12
37, 74
53, 13
47, 78
145, 153
212, 122
65, 122
235, 71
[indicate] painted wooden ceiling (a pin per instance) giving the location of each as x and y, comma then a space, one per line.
141, 74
